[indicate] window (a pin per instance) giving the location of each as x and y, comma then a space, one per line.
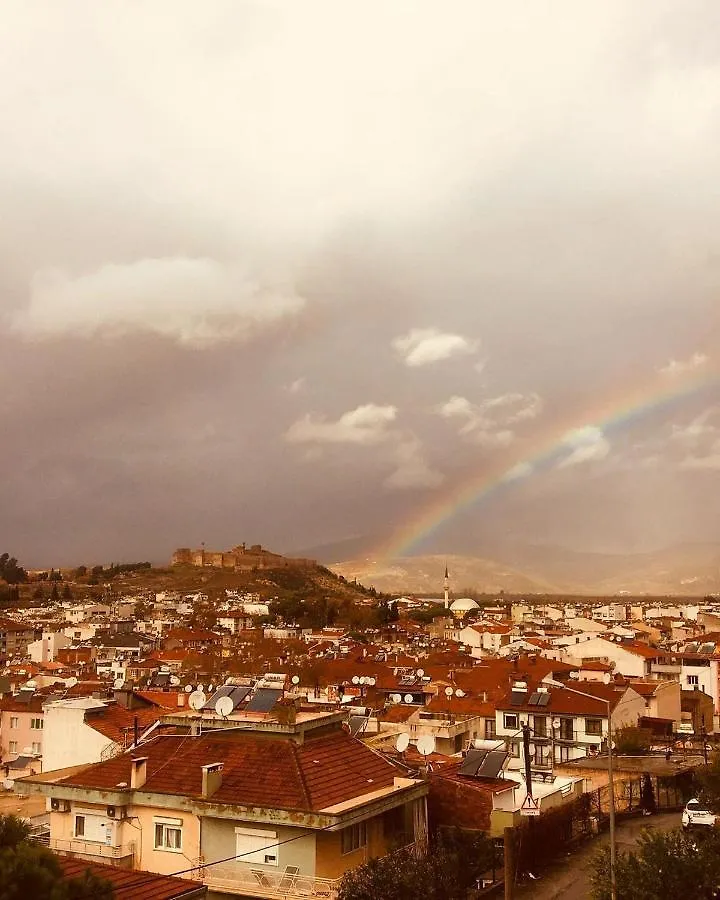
13, 721
593, 726
510, 720
489, 728
253, 845
691, 679
540, 726
566, 730
354, 837
168, 834
79, 826
513, 748
37, 747
36, 723
12, 747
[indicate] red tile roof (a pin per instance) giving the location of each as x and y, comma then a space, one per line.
131, 884
258, 771
116, 722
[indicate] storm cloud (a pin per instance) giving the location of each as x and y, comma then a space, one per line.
291, 272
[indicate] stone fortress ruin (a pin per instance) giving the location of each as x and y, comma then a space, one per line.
240, 559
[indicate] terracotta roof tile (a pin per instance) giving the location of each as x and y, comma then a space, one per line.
258, 770
130, 884
116, 722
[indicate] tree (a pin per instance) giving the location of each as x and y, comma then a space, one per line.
445, 870
80, 572
632, 741
708, 781
10, 571
670, 864
66, 592
29, 870
54, 594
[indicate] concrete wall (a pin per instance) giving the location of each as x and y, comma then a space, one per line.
332, 863
165, 862
218, 841
68, 741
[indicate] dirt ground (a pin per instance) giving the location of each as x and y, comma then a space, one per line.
569, 880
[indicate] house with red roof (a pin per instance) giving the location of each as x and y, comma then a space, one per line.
567, 722
277, 807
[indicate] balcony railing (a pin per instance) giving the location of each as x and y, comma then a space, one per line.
95, 849
247, 881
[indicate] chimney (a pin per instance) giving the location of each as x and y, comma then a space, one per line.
138, 772
211, 779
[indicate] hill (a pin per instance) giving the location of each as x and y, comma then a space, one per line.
681, 570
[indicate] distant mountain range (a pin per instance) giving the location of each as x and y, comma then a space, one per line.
683, 569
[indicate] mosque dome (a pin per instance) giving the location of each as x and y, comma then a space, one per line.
463, 605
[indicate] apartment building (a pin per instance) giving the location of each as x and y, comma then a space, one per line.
272, 809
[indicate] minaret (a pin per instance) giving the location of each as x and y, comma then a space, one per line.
447, 588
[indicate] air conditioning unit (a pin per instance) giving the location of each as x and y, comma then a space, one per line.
57, 805
115, 812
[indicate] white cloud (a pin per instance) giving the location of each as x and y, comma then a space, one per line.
364, 425
521, 470
698, 430
487, 423
192, 301
711, 461
676, 367
423, 346
412, 469
297, 386
586, 444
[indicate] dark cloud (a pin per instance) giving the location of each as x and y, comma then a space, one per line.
227, 231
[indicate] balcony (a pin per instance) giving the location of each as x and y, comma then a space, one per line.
93, 850
246, 881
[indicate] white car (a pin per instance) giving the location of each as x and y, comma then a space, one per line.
696, 813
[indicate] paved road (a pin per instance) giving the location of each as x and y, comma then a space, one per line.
570, 880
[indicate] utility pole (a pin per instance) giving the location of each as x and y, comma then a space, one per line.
703, 734
509, 860
526, 756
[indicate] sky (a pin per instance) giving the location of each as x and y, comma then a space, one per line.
289, 272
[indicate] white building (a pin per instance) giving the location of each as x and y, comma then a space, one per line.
45, 650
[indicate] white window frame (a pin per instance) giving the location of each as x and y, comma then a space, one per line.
81, 832
256, 846
507, 723
353, 838
36, 723
36, 747
12, 747
693, 679
167, 825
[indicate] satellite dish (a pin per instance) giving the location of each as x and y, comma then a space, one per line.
71, 682
408, 698
448, 692
201, 688
402, 743
396, 698
459, 692
420, 673
211, 687
362, 679
117, 684
188, 688
371, 681
174, 680
295, 679
355, 679
426, 744
607, 678
224, 707
556, 723
196, 700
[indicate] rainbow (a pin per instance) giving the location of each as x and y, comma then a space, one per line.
621, 408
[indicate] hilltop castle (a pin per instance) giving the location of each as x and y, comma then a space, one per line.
240, 559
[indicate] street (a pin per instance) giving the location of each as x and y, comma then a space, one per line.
569, 879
